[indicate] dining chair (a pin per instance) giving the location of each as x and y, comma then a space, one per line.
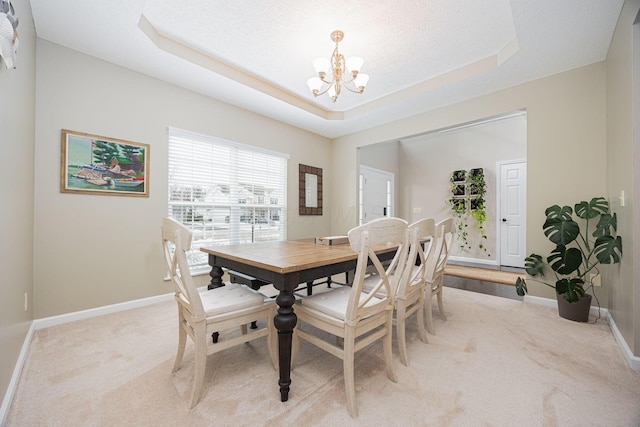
355, 315
410, 294
435, 270
216, 310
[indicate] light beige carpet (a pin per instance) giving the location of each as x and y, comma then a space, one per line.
494, 362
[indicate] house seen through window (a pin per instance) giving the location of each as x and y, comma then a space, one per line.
225, 192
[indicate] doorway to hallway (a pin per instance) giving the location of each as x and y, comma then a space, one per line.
376, 194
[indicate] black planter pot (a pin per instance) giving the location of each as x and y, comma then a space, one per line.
576, 311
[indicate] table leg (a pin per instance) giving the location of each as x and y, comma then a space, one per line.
310, 288
285, 321
216, 274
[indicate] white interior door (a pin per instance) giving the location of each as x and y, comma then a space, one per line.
513, 207
376, 194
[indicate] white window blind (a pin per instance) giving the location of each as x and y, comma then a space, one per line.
225, 192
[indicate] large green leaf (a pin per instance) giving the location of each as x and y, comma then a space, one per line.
556, 211
570, 289
607, 225
597, 206
521, 286
565, 260
533, 265
561, 230
608, 249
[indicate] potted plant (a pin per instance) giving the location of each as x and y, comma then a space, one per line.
477, 209
578, 252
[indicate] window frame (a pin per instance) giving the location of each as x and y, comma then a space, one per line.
225, 192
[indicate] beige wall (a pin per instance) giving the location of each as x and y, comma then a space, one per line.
17, 108
566, 150
428, 161
622, 152
96, 250
92, 251
384, 157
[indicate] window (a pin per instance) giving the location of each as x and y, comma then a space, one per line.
225, 192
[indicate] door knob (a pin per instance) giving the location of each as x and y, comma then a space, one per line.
504, 219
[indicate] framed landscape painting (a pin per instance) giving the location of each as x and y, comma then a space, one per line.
93, 164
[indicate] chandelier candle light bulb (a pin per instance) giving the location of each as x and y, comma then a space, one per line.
336, 66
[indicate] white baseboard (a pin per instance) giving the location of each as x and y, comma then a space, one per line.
47, 322
547, 302
632, 360
15, 377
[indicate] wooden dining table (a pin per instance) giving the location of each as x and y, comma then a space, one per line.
285, 264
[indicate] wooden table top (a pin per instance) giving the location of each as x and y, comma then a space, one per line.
284, 256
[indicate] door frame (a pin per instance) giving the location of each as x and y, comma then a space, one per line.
392, 177
499, 203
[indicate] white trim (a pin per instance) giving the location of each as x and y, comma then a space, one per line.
515, 113
15, 377
632, 360
47, 322
376, 170
547, 302
465, 260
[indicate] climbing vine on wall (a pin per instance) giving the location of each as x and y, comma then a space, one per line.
458, 202
468, 190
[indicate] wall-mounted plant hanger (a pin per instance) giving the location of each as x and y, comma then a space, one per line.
468, 190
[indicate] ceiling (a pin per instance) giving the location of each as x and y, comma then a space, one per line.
257, 55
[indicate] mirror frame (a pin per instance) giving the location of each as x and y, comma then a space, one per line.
303, 209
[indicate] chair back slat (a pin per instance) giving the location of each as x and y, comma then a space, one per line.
444, 241
364, 240
422, 245
176, 240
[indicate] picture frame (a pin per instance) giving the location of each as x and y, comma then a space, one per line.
309, 190
94, 164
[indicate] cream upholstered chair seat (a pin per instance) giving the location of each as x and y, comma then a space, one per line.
355, 316
229, 299
202, 313
372, 279
335, 303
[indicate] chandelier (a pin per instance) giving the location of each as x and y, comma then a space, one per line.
337, 66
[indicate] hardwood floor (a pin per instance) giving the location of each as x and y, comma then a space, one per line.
491, 281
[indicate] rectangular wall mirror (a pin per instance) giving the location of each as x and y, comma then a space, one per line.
310, 190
